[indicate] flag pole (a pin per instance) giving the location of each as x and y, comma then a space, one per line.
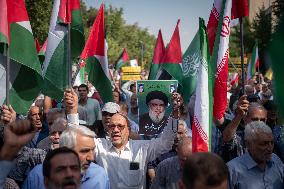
7, 75
69, 63
242, 54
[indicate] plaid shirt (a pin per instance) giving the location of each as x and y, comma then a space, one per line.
10, 184
233, 148
25, 161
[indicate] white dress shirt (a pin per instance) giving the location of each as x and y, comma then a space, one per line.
136, 153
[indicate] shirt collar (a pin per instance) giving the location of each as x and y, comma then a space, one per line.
111, 147
86, 175
250, 163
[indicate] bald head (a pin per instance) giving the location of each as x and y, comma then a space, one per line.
184, 149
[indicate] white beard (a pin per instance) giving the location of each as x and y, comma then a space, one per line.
156, 118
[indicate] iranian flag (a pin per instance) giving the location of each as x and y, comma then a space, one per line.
234, 79
172, 59
123, 60
55, 69
95, 56
41, 53
253, 65
202, 119
157, 57
239, 9
25, 72
220, 59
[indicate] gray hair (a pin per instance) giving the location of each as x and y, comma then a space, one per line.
68, 137
254, 128
187, 132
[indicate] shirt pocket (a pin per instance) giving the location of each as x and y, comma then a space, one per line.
135, 177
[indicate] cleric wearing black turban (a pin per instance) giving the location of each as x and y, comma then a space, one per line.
154, 121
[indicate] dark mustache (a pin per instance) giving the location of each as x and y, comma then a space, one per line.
69, 181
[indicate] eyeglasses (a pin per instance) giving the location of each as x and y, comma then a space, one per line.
120, 127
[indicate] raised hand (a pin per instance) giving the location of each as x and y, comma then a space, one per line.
8, 114
16, 135
71, 101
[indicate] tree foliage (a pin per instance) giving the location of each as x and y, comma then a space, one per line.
235, 46
121, 35
262, 30
39, 13
278, 10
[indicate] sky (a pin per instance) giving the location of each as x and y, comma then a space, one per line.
163, 14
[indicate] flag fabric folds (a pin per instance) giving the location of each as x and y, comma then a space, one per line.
25, 71
190, 64
202, 119
55, 69
172, 59
253, 65
157, 57
95, 56
220, 58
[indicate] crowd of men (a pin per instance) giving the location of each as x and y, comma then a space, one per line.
82, 142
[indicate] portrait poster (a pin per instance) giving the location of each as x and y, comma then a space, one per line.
149, 125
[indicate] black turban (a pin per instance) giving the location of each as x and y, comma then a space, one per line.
157, 95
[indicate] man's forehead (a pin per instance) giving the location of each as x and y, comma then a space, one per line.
64, 159
257, 112
117, 118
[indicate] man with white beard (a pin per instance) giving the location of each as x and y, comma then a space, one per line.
153, 122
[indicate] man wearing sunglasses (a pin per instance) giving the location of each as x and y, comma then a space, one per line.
124, 159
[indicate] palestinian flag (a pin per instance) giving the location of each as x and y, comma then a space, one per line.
275, 51
123, 60
157, 57
253, 65
37, 45
172, 59
220, 60
202, 119
95, 56
41, 53
55, 72
79, 76
25, 72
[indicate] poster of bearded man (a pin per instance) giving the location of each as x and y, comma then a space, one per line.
154, 102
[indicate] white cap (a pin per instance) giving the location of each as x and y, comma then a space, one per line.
111, 107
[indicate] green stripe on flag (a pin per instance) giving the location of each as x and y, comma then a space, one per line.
77, 34
55, 85
27, 84
97, 77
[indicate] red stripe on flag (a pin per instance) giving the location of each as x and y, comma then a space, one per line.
17, 11
239, 8
159, 49
95, 44
65, 10
199, 137
173, 52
